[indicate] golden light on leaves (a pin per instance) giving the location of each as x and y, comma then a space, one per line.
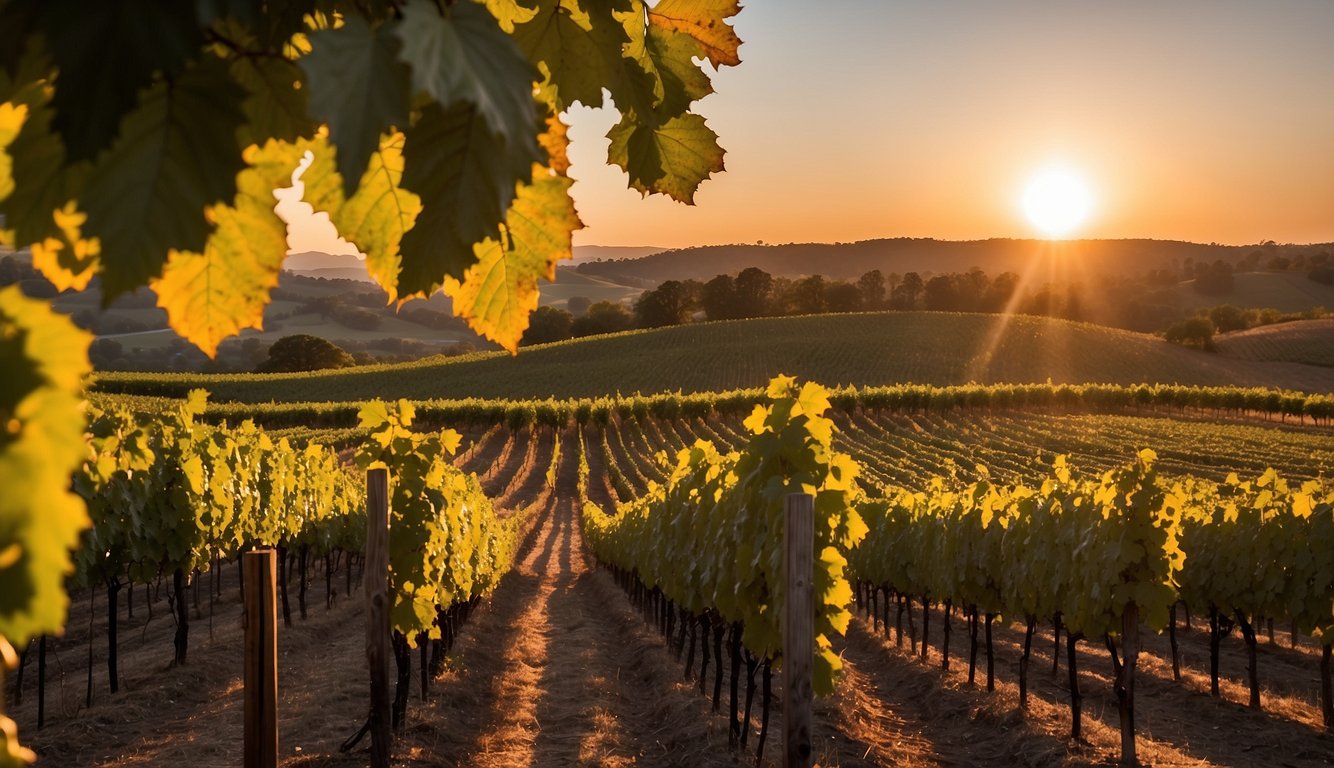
69, 261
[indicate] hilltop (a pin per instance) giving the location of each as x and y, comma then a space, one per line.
1065, 258
862, 349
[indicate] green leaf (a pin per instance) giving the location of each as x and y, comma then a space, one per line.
466, 182
358, 87
45, 359
672, 158
498, 293
670, 56
177, 154
106, 53
276, 105
42, 182
214, 294
379, 214
464, 56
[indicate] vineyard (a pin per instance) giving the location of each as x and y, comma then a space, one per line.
555, 667
922, 347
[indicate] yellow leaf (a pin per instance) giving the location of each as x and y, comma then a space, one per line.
497, 293
69, 261
212, 295
704, 20
375, 218
11, 121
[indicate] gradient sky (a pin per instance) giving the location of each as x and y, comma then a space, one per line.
1210, 120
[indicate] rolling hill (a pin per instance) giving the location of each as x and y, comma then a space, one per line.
861, 349
1302, 341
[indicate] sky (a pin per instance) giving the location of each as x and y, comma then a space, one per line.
1201, 120
847, 120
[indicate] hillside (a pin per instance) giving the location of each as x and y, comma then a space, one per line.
862, 349
1303, 341
849, 260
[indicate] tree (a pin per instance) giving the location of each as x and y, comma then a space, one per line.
603, 317
1226, 317
842, 297
904, 296
304, 352
808, 295
668, 304
1195, 332
871, 287
941, 294
754, 291
548, 324
719, 299
578, 305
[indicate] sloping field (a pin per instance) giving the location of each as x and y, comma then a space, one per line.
1303, 341
861, 349
1284, 291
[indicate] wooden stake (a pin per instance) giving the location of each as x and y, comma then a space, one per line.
261, 660
376, 583
798, 629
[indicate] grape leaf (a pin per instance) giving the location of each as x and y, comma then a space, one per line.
276, 104
105, 58
510, 12
70, 260
11, 122
466, 182
378, 215
358, 87
464, 56
45, 358
670, 57
705, 21
42, 182
177, 153
497, 294
214, 294
672, 158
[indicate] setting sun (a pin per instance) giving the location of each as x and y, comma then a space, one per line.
1057, 201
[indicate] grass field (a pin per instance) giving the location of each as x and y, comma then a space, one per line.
865, 349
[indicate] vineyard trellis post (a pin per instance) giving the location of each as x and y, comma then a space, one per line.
261, 660
376, 580
798, 628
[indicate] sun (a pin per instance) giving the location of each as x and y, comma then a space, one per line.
1057, 201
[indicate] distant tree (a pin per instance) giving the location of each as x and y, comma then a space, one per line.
941, 294
304, 352
1227, 317
1001, 292
668, 304
548, 324
603, 317
578, 305
842, 297
719, 299
1196, 332
808, 295
754, 292
871, 290
104, 354
904, 296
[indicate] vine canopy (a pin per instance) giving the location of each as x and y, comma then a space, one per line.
143, 142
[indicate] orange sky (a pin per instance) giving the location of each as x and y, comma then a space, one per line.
1207, 121
1202, 120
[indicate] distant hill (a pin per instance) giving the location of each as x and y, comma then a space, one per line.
1284, 291
350, 267
861, 349
850, 260
1301, 341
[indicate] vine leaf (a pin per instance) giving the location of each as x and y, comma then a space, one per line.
214, 294
705, 21
357, 86
70, 260
498, 293
466, 182
45, 359
276, 105
176, 154
378, 215
464, 56
672, 158
11, 122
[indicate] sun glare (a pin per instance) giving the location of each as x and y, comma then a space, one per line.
1056, 202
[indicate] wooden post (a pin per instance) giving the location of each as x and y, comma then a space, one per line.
261, 660
798, 628
376, 581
